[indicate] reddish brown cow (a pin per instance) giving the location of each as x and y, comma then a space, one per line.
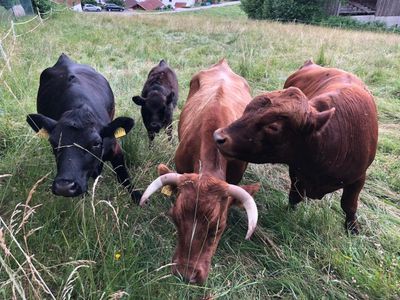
323, 125
206, 181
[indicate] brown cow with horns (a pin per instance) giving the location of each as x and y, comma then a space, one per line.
206, 181
323, 125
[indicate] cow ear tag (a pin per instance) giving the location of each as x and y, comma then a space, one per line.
119, 132
42, 133
167, 190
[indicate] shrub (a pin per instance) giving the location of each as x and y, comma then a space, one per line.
7, 3
346, 22
117, 2
286, 10
83, 2
42, 6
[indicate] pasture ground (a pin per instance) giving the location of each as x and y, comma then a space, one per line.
100, 246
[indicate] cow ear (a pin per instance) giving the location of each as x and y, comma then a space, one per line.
317, 121
117, 128
38, 121
167, 190
251, 189
163, 169
138, 100
170, 98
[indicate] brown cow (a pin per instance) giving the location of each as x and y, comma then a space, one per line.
323, 125
206, 184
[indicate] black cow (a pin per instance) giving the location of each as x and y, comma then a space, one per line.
158, 100
76, 109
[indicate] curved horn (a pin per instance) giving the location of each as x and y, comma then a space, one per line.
170, 178
249, 205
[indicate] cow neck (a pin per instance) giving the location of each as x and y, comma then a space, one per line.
211, 161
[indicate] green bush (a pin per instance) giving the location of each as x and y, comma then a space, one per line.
346, 22
5, 16
42, 5
285, 10
83, 2
118, 2
7, 3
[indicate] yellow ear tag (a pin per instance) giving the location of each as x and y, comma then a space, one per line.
42, 133
167, 190
119, 132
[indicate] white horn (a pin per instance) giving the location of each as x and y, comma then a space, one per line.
249, 205
170, 178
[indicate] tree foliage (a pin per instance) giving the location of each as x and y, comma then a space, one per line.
42, 6
83, 2
7, 3
118, 2
287, 10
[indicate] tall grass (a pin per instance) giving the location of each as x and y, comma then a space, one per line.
101, 246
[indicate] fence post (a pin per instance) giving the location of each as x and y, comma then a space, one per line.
3, 53
13, 30
40, 17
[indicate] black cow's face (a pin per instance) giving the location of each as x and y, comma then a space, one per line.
156, 110
78, 150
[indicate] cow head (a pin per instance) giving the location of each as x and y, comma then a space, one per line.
156, 110
273, 127
78, 144
200, 213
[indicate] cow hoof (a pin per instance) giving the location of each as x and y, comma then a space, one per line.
135, 195
352, 227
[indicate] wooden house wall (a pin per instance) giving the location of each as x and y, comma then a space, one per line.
332, 7
388, 8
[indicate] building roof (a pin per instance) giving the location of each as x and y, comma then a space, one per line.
150, 4
180, 4
130, 3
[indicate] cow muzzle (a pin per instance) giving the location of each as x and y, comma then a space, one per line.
155, 127
190, 274
219, 137
66, 188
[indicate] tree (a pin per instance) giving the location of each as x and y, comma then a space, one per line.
41, 5
118, 2
7, 3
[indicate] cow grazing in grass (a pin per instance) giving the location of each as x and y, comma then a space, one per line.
75, 107
323, 125
206, 182
158, 100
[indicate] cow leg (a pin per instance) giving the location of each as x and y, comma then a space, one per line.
168, 130
297, 190
151, 136
349, 203
118, 163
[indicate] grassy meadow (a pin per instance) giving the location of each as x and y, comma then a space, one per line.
101, 246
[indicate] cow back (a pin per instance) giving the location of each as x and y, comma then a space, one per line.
217, 97
347, 146
68, 85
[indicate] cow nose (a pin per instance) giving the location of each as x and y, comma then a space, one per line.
219, 138
196, 277
191, 275
155, 125
66, 188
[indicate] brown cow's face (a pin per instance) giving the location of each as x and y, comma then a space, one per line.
271, 129
199, 214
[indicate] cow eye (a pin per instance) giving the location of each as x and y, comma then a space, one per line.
274, 127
